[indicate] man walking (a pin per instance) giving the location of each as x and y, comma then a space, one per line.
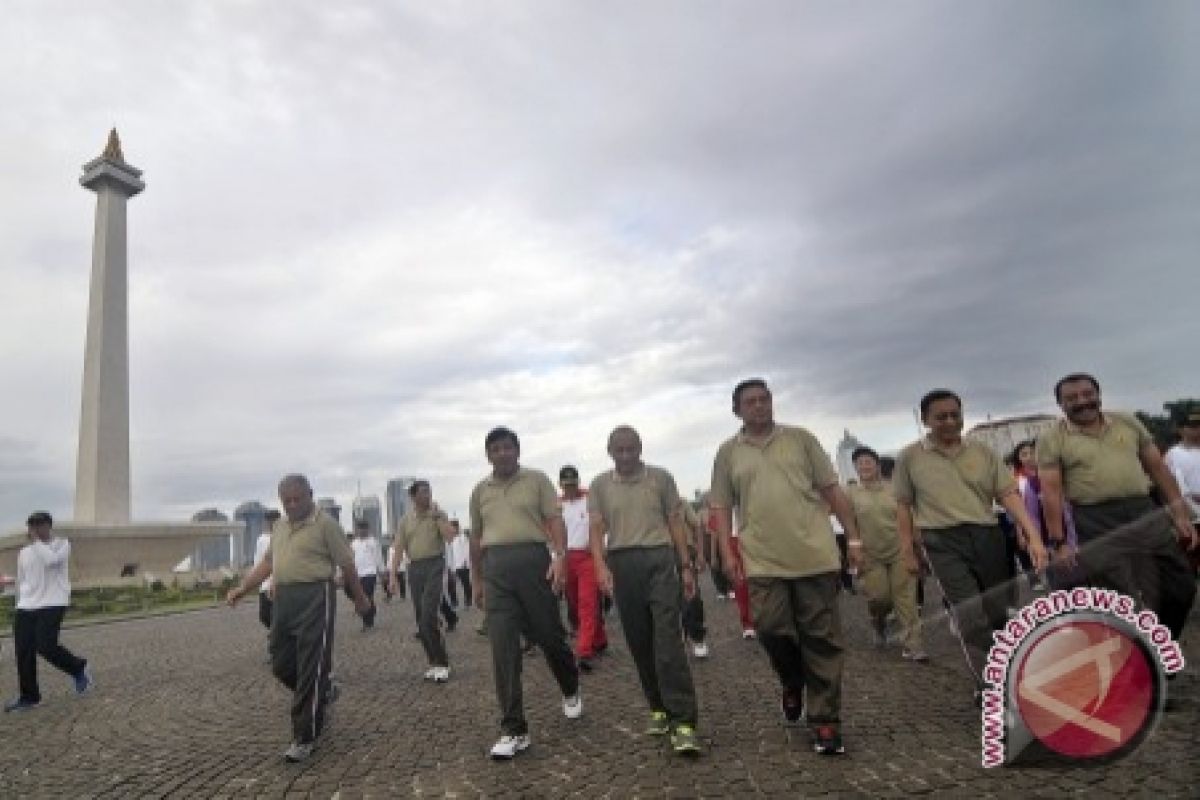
306, 549
944, 487
43, 594
422, 535
638, 506
781, 480
368, 562
460, 561
1184, 462
512, 510
1100, 461
692, 609
582, 592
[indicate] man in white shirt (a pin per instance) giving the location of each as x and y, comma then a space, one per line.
43, 594
1184, 462
582, 592
460, 561
368, 562
261, 547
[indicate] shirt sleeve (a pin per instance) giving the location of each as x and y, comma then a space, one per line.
824, 475
548, 499
336, 544
595, 497
902, 485
669, 492
476, 515
1002, 477
1049, 449
722, 493
1143, 434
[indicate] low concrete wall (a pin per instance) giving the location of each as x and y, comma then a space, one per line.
99, 553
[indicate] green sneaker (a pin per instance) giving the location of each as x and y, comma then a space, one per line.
659, 726
683, 740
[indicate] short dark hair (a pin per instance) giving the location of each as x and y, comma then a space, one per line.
1074, 376
40, 518
938, 394
864, 451
1014, 458
887, 465
496, 434
749, 383
416, 486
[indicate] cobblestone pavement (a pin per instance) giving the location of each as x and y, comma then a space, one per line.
185, 706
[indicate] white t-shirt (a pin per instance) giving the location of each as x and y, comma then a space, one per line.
459, 552
42, 580
1184, 463
261, 546
368, 559
575, 517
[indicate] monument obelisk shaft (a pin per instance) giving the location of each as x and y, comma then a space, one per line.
102, 472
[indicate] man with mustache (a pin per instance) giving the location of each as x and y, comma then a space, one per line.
1103, 462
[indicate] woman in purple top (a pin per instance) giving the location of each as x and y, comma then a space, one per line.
1063, 572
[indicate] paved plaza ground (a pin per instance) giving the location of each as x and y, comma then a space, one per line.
185, 706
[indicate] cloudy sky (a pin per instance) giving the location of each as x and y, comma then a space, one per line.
373, 231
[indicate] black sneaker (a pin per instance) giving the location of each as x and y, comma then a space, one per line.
585, 664
791, 703
827, 741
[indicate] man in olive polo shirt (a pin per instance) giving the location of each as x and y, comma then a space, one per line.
639, 507
306, 549
422, 534
781, 479
945, 486
1103, 462
512, 512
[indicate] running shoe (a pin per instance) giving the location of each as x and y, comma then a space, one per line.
573, 706
828, 741
791, 703
509, 746
659, 724
684, 742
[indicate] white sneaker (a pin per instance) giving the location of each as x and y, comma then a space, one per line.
441, 674
509, 746
749, 633
431, 674
573, 706
298, 752
700, 649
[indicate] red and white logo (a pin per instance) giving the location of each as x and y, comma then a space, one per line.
1085, 688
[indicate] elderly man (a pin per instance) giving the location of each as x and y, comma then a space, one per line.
307, 547
512, 511
43, 594
647, 560
1100, 461
781, 480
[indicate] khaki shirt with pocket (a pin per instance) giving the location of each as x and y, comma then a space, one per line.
636, 510
951, 488
309, 550
514, 511
1102, 466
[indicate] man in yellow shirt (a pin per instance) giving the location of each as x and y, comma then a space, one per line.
512, 511
307, 547
1103, 463
781, 480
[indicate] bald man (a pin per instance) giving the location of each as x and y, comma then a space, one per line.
307, 547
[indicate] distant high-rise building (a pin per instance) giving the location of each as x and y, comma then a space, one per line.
213, 553
252, 513
844, 463
367, 508
397, 502
330, 507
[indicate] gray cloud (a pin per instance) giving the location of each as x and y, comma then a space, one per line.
370, 234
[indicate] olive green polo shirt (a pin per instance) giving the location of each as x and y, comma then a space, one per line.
875, 511
636, 510
776, 486
513, 511
1098, 466
418, 534
949, 488
308, 550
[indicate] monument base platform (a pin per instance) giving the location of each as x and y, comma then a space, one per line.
113, 555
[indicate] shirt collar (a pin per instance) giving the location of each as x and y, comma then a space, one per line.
1071, 427
634, 478
744, 438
